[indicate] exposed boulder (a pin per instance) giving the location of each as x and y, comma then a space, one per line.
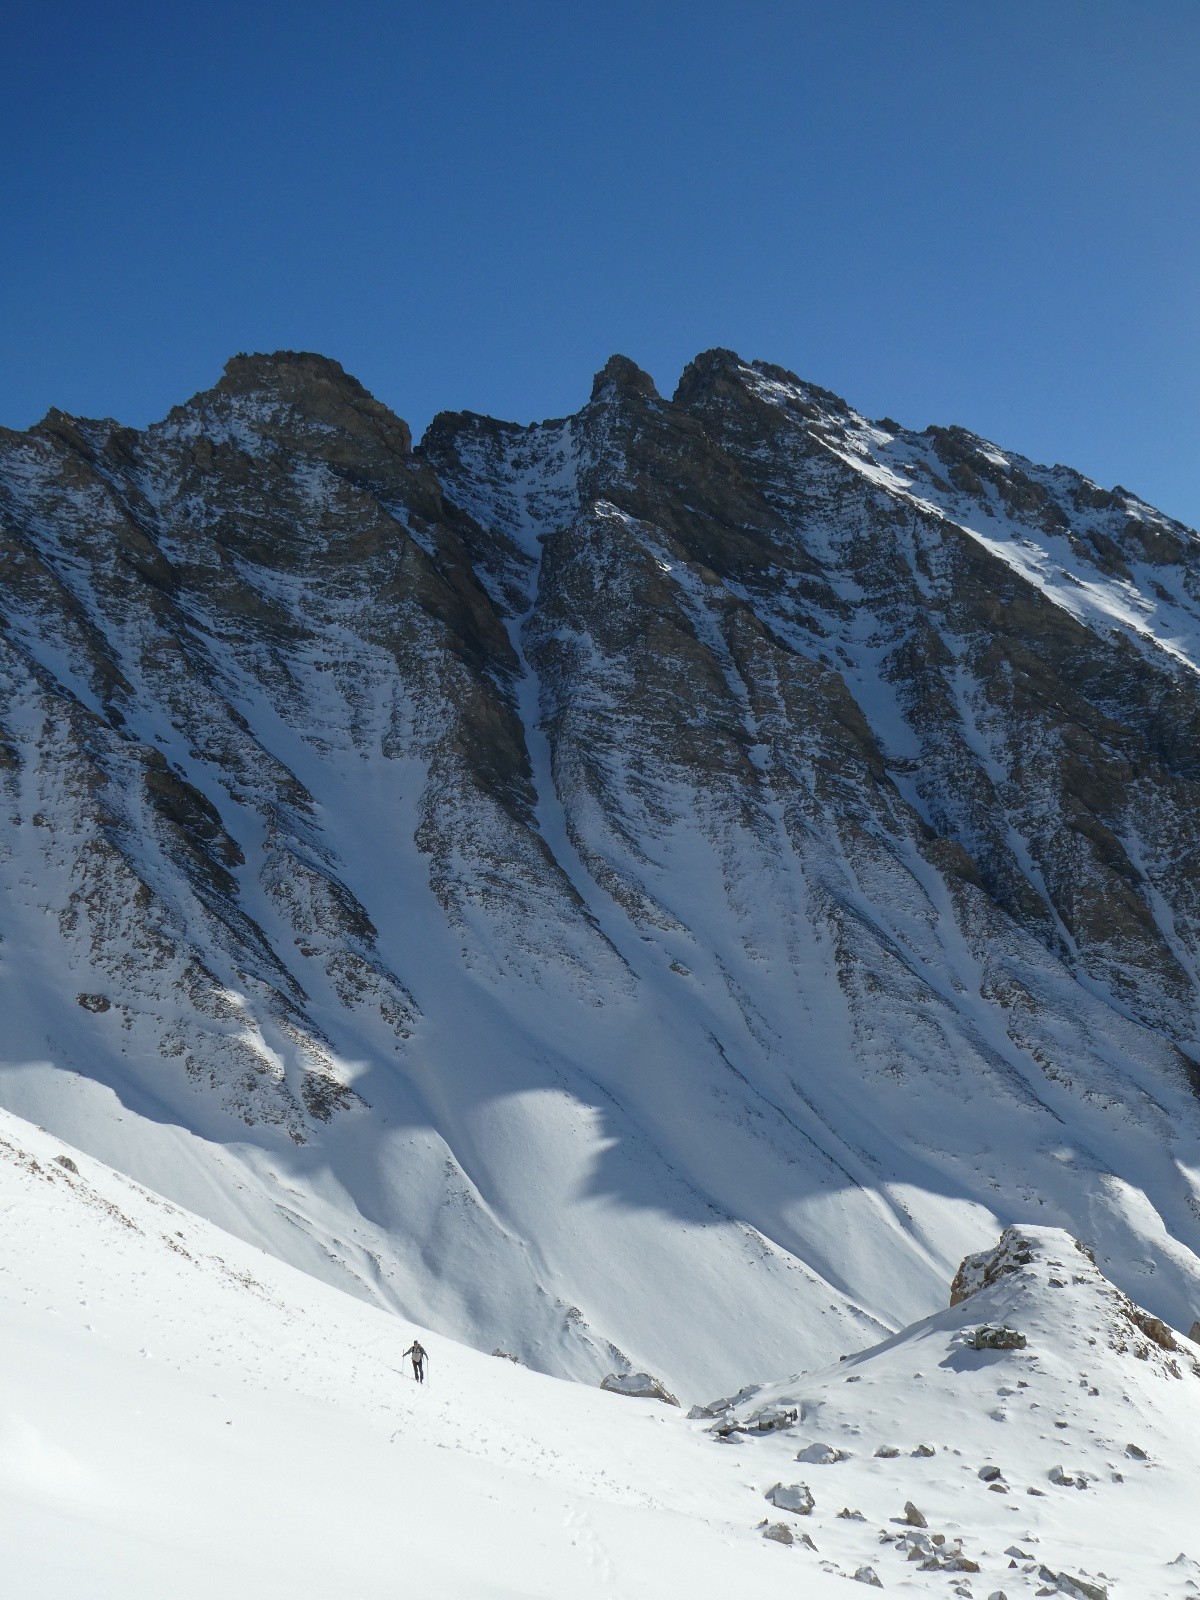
797, 1497
822, 1455
639, 1386
1001, 1337
778, 1531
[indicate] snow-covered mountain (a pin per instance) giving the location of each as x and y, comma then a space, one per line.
184, 1415
652, 889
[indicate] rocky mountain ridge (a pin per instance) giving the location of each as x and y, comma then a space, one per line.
701, 862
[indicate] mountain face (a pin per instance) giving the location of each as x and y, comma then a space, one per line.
648, 889
195, 1418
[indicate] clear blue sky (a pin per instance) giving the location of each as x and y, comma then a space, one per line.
946, 211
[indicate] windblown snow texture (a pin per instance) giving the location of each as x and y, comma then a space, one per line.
649, 891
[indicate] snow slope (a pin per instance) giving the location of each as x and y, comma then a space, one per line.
182, 1414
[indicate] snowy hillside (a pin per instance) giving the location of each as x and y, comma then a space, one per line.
651, 890
184, 1415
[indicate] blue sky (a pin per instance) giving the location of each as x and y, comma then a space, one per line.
952, 212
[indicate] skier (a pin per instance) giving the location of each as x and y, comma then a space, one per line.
417, 1352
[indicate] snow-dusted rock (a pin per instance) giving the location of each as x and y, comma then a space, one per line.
1072, 1585
638, 1385
819, 1454
797, 1497
997, 1338
779, 1532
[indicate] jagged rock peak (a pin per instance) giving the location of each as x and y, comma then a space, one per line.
721, 376
316, 385
717, 371
247, 373
620, 375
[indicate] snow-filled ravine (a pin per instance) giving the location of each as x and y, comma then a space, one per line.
182, 1415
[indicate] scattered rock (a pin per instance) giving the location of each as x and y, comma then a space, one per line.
720, 1408
68, 1164
847, 1515
924, 1450
797, 1497
1069, 1584
887, 1451
1064, 1479
913, 1517
946, 1558
1194, 1333
507, 1355
768, 1420
639, 1385
1136, 1451
915, 1545
94, 1002
990, 1474
868, 1575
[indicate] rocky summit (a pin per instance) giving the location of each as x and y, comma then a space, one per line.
651, 891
